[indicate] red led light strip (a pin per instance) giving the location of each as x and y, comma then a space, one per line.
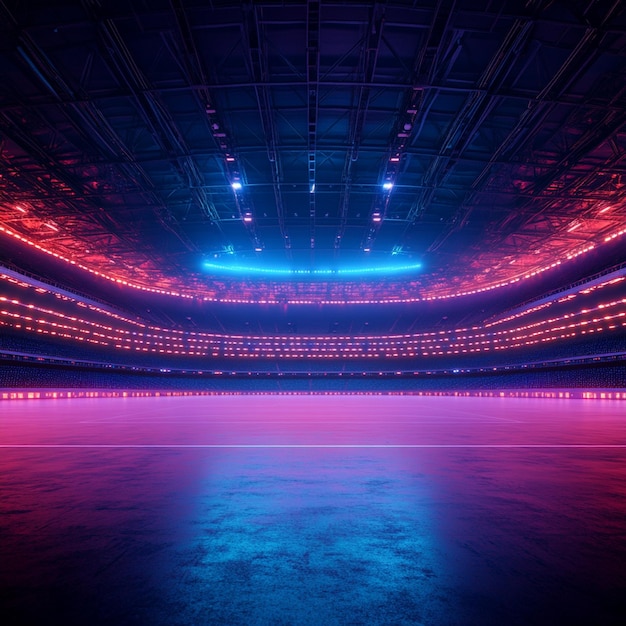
606, 316
181, 293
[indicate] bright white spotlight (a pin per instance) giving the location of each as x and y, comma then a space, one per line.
387, 185
236, 185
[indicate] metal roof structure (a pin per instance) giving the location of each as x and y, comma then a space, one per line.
476, 139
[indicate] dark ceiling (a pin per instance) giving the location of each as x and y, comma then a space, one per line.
501, 126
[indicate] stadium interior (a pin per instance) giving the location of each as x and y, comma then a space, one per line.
313, 312
385, 189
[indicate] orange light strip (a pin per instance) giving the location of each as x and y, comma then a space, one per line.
554, 394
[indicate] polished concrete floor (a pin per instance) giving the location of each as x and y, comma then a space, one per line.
313, 510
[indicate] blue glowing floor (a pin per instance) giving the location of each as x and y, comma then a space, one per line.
313, 510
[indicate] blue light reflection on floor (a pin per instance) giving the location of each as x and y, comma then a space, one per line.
314, 536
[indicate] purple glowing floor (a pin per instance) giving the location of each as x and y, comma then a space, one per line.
313, 510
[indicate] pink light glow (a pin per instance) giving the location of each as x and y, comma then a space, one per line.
427, 294
111, 330
171, 488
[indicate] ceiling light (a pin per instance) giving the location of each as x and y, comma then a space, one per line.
247, 217
236, 185
387, 185
377, 217
604, 210
20, 209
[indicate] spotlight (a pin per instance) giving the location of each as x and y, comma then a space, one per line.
387, 185
236, 185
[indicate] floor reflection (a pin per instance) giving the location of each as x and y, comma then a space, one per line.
502, 512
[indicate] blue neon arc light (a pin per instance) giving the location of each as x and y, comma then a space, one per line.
242, 269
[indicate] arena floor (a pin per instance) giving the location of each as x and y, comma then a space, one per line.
276, 510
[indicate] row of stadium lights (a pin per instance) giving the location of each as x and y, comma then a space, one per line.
442, 342
388, 185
